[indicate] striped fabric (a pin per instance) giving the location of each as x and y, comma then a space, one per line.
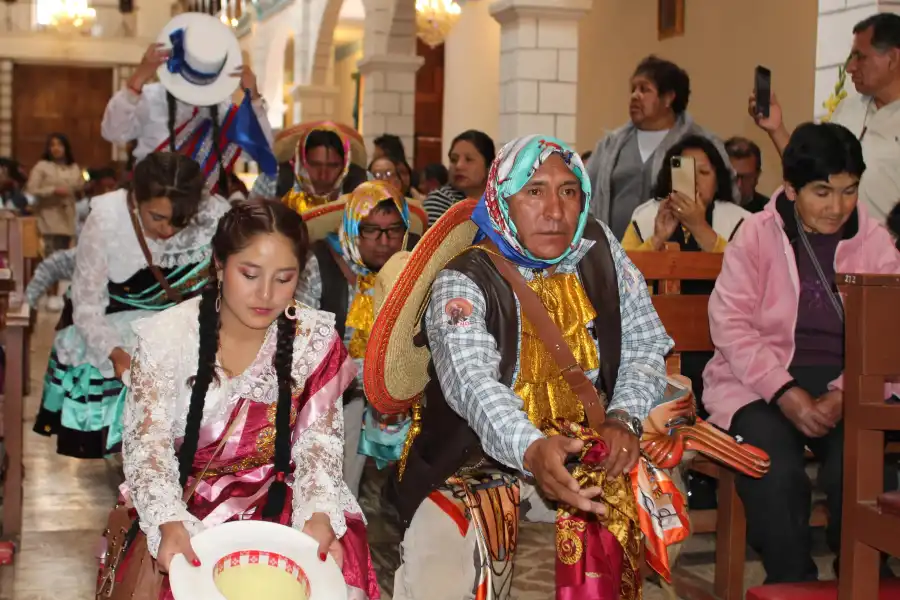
440, 200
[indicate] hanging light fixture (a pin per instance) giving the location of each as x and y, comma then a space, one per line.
435, 19
72, 16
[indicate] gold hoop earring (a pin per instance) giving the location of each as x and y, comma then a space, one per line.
291, 312
219, 297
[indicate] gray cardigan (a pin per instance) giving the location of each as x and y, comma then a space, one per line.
603, 160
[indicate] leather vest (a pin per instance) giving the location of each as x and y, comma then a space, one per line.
446, 442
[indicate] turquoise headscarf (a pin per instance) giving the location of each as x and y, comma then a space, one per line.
514, 167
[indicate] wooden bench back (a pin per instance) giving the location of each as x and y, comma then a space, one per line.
686, 318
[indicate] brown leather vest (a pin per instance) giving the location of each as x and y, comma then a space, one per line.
446, 441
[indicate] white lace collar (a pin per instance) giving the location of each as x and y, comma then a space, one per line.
172, 339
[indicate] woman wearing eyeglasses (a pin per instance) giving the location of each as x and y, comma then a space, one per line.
339, 277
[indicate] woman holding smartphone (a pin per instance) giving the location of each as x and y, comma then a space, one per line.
705, 222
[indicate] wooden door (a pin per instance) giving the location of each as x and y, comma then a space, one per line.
429, 106
68, 100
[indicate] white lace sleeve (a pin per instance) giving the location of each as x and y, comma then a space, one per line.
148, 448
318, 456
89, 292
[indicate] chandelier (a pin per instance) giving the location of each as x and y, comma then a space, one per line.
435, 19
71, 16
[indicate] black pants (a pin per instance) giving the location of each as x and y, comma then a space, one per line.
778, 505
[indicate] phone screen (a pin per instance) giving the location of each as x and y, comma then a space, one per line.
763, 91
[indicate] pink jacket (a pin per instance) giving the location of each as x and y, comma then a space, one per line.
753, 309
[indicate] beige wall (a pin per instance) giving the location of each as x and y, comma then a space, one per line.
724, 41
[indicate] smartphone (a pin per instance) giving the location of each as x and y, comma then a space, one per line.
763, 90
683, 176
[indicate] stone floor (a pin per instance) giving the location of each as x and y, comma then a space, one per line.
67, 500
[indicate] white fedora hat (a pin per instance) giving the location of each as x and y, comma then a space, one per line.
205, 53
248, 560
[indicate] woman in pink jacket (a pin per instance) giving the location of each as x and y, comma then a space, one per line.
777, 323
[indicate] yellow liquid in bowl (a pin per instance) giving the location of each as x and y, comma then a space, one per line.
253, 582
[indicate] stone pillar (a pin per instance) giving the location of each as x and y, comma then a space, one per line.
538, 66
389, 98
472, 95
121, 74
317, 102
835, 37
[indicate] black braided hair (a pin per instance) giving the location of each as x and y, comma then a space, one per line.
223, 176
172, 105
284, 358
236, 230
206, 373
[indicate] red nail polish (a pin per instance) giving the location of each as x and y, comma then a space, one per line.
322, 556
196, 562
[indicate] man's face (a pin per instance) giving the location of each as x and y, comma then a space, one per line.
324, 166
380, 237
546, 210
871, 70
747, 171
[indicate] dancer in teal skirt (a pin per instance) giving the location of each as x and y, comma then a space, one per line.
141, 251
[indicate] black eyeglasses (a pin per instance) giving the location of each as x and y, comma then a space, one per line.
371, 232
383, 175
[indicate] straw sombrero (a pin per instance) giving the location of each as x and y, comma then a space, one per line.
246, 560
325, 219
396, 370
286, 142
204, 55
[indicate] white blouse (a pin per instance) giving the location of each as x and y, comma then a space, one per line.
145, 118
156, 416
108, 250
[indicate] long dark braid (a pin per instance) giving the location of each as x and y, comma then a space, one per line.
223, 176
172, 105
206, 373
282, 361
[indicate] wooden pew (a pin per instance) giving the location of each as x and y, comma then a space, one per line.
686, 320
17, 322
871, 522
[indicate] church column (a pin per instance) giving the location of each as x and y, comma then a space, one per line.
538, 66
389, 98
6, 107
317, 102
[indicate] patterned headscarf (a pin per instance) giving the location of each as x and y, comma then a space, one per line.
360, 203
514, 167
301, 168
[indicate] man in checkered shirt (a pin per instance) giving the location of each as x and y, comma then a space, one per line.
494, 385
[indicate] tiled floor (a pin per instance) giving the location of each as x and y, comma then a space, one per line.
67, 500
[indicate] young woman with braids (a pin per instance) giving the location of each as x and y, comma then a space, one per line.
245, 351
148, 113
114, 284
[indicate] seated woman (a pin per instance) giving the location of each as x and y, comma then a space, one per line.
140, 251
778, 326
705, 224
471, 154
244, 350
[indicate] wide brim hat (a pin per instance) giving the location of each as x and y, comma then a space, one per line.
285, 144
272, 560
325, 219
396, 368
209, 55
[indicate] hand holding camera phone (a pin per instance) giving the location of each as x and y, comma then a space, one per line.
684, 176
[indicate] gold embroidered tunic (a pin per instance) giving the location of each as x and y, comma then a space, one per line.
540, 385
300, 202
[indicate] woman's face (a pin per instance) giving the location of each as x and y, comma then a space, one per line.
647, 107
383, 169
705, 179
156, 217
825, 206
57, 149
468, 171
258, 282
